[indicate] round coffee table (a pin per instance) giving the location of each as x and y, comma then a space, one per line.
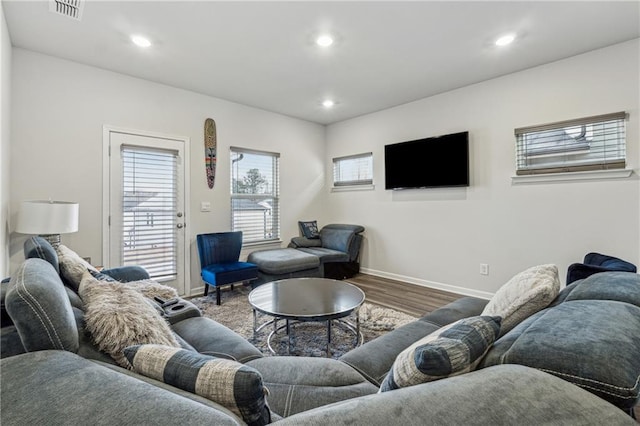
307, 299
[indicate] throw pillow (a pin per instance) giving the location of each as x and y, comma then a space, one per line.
523, 295
229, 383
72, 266
118, 316
449, 351
309, 229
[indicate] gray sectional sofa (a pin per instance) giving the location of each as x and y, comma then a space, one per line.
588, 337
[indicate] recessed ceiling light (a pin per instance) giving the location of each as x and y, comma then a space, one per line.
328, 103
324, 40
140, 41
505, 40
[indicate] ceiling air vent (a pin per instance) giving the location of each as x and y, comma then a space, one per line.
69, 8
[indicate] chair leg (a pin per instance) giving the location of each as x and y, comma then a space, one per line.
217, 295
231, 287
206, 289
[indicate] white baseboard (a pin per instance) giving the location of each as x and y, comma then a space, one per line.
431, 284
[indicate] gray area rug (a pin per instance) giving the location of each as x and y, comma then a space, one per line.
307, 339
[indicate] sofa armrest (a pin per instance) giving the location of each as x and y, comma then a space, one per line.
375, 358
493, 395
102, 395
297, 242
127, 273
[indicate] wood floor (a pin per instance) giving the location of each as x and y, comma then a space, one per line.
410, 298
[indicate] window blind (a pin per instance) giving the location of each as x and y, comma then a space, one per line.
149, 210
353, 170
591, 143
255, 203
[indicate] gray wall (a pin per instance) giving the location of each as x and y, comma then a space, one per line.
60, 107
429, 237
439, 237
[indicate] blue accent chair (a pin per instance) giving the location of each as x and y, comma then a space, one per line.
596, 262
219, 265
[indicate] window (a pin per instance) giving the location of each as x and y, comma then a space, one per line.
353, 170
255, 206
592, 143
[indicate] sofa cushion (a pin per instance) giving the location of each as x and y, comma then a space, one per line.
590, 343
451, 350
523, 295
41, 311
283, 261
298, 384
118, 316
229, 383
309, 229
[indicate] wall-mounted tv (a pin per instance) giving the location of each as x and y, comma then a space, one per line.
441, 161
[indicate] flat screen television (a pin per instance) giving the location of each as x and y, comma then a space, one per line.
441, 161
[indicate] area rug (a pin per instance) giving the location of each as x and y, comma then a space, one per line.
307, 339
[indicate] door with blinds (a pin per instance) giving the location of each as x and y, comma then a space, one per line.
147, 206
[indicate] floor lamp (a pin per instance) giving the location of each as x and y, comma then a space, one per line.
48, 219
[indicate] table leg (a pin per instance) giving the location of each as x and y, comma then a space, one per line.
328, 338
357, 326
255, 323
288, 337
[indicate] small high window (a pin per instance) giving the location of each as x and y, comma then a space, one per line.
353, 170
592, 143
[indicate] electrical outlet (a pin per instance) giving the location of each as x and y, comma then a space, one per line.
484, 269
205, 206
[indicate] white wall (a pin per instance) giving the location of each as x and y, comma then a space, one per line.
439, 237
5, 134
60, 107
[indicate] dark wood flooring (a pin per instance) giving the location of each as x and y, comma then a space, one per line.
412, 299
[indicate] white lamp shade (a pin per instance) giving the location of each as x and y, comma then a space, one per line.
47, 217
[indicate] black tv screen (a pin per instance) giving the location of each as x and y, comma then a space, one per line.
440, 161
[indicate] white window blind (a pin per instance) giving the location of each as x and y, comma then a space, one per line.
353, 170
591, 143
255, 203
149, 209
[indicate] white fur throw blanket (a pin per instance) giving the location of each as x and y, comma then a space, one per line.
117, 315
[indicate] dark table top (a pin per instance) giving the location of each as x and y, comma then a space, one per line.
307, 299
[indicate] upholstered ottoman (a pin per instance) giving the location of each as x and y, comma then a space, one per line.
284, 263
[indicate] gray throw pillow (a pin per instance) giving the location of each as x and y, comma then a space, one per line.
229, 383
309, 229
454, 349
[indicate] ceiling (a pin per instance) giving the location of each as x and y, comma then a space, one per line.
263, 53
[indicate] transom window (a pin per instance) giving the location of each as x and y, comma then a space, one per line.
255, 204
353, 170
592, 143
